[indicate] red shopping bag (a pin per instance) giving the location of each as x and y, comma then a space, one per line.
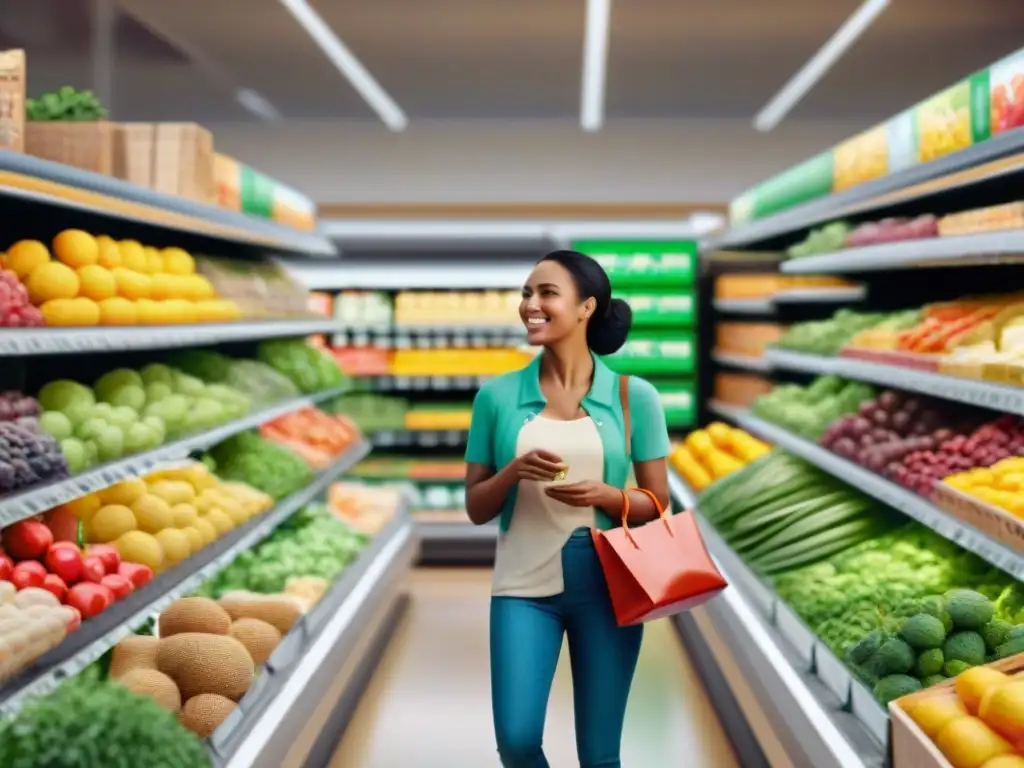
658, 569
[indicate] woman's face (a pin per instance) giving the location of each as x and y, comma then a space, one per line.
551, 308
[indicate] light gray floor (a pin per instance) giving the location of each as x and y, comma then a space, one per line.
433, 682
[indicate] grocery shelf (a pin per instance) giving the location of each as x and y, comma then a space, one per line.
420, 438
22, 342
889, 493
746, 362
37, 499
457, 543
427, 275
424, 383
51, 184
998, 397
874, 195
101, 633
431, 336
346, 628
987, 248
725, 410
807, 718
820, 295
763, 306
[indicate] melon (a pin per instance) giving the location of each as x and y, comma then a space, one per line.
134, 652
194, 614
203, 663
258, 637
156, 685
203, 713
280, 611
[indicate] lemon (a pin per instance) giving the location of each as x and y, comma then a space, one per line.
52, 280
111, 522
175, 544
127, 492
178, 262
142, 548
968, 743
154, 262
97, 283
131, 284
152, 513
195, 538
220, 521
206, 530
76, 248
110, 254
185, 515
132, 256
972, 684
118, 311
24, 256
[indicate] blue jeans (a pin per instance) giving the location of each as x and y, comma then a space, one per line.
526, 639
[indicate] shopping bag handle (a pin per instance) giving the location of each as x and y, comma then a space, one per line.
662, 513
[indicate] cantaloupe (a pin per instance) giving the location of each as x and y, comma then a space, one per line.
203, 713
194, 614
156, 685
258, 637
134, 652
203, 663
280, 611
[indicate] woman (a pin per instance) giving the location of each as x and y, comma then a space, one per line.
547, 454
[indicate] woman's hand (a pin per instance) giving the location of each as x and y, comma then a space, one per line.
587, 493
542, 466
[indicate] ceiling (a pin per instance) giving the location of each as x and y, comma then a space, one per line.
499, 59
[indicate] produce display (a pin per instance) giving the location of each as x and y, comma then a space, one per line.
780, 513
371, 412
741, 389
828, 337
976, 720
761, 286
713, 453
893, 230
317, 437
87, 280
411, 468
439, 416
260, 288
261, 464
457, 362
128, 411
308, 368
365, 509
825, 239
808, 411
746, 339
16, 310
993, 218
29, 454
998, 484
261, 383
471, 309
363, 309
65, 104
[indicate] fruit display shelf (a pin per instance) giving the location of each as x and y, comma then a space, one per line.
733, 642
349, 627
103, 632
745, 362
768, 305
34, 500
22, 342
1002, 247
41, 182
449, 275
431, 337
899, 187
909, 503
420, 438
985, 394
425, 383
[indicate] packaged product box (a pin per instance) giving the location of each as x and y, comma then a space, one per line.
183, 161
863, 158
740, 388
644, 264
85, 145
12, 100
679, 400
133, 153
320, 303
227, 175
660, 310
746, 339
293, 208
1006, 93
646, 357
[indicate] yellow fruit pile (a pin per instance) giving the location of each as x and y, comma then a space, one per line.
164, 518
1001, 485
98, 281
711, 454
978, 722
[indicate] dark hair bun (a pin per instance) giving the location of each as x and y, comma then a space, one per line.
607, 334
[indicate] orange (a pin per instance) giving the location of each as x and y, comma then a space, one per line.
76, 248
52, 280
110, 254
178, 262
118, 311
972, 684
1003, 710
217, 311
149, 312
131, 284
154, 262
71, 312
24, 256
933, 712
164, 286
969, 743
180, 312
97, 283
132, 255
198, 288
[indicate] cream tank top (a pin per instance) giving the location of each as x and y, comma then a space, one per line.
528, 562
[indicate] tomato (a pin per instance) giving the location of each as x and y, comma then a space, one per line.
119, 585
92, 569
55, 585
138, 575
28, 574
109, 555
90, 599
65, 562
6, 567
27, 540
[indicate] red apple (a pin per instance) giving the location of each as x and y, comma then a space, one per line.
109, 555
90, 599
65, 562
138, 575
56, 586
93, 569
119, 585
28, 574
27, 540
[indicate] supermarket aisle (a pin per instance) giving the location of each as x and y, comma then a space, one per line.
433, 682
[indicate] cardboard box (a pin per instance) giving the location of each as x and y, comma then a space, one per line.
12, 100
183, 161
133, 153
911, 747
987, 518
85, 145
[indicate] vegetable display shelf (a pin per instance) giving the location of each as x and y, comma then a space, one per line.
746, 362
768, 305
420, 438
32, 501
348, 627
807, 718
42, 182
103, 632
998, 397
895, 496
986, 248
70, 341
425, 383
431, 337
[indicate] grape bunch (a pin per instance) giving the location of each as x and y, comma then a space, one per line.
27, 454
15, 309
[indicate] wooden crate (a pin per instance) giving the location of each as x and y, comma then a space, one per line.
987, 518
911, 747
183, 161
85, 145
133, 153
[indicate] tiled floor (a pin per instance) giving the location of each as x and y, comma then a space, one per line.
433, 683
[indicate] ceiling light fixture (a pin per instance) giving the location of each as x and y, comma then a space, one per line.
595, 64
345, 62
257, 105
819, 64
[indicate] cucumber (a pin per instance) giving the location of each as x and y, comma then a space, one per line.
823, 520
812, 546
813, 498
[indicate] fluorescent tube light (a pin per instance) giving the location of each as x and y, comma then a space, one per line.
347, 64
258, 105
819, 64
595, 64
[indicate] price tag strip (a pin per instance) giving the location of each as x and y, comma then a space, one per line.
21, 342
119, 621
907, 502
33, 501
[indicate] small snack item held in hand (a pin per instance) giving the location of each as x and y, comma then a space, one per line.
561, 475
